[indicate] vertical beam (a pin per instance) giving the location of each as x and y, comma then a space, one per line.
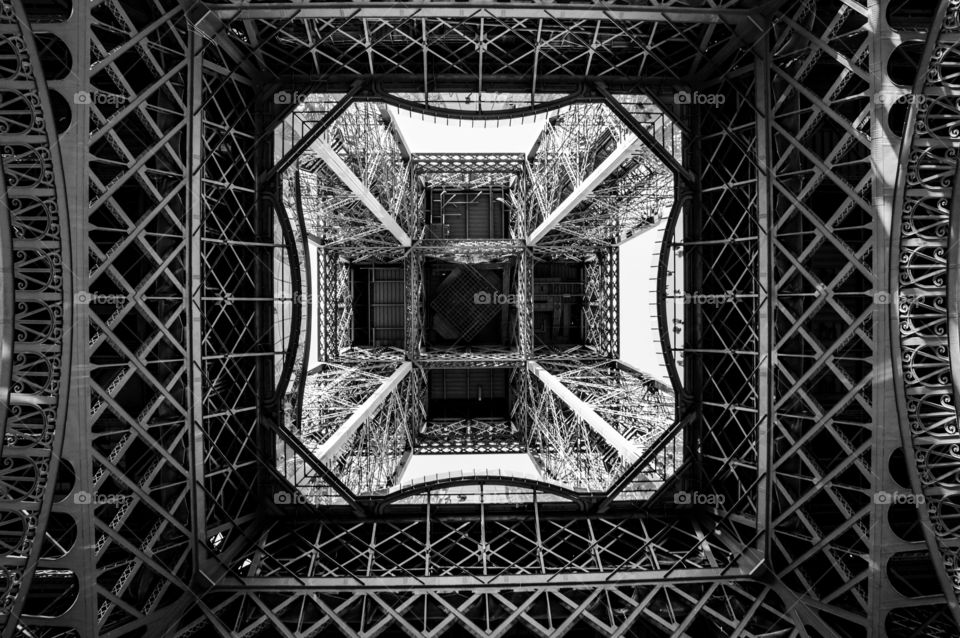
882, 597
627, 450
766, 296
621, 154
78, 435
28, 495
329, 450
193, 174
351, 181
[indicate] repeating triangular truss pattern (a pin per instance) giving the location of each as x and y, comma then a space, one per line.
158, 162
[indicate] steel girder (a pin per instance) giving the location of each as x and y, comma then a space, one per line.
502, 163
485, 558
129, 508
35, 331
468, 436
922, 300
157, 175
485, 48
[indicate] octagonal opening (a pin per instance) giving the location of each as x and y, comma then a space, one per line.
467, 302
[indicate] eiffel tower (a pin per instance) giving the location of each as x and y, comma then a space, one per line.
271, 368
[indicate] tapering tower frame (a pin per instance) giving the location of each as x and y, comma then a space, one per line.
138, 311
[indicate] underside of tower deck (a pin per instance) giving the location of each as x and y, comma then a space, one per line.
242, 316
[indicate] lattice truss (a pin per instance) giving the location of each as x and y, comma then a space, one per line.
369, 456
635, 197
160, 520
364, 137
573, 143
334, 301
468, 436
36, 347
637, 406
144, 540
331, 212
134, 485
824, 271
666, 609
490, 44
636, 193
467, 251
563, 444
467, 163
601, 302
415, 305
232, 306
601, 311
721, 355
419, 575
924, 303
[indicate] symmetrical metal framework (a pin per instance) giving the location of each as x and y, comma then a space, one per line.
171, 465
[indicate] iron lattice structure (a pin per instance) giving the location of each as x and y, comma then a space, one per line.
160, 159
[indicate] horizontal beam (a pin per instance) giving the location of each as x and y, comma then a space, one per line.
332, 447
620, 155
303, 10
513, 581
357, 187
467, 162
627, 450
385, 86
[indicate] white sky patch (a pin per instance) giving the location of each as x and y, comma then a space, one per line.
313, 348
639, 333
428, 134
425, 465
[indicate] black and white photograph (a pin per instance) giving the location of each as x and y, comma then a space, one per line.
479, 319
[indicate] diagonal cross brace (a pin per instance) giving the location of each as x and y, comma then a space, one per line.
357, 187
627, 450
621, 154
332, 447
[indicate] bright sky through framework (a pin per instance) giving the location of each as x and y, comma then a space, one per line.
428, 134
639, 341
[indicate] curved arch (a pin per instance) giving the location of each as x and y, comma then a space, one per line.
451, 479
378, 94
37, 231
920, 426
295, 241
666, 246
